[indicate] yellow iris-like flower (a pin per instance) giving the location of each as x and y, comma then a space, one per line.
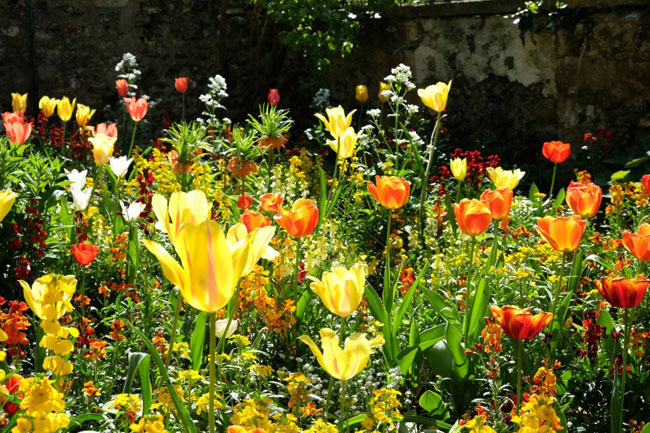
342, 364
18, 102
49, 297
337, 122
64, 108
7, 199
103, 147
505, 178
345, 145
341, 290
47, 105
84, 114
459, 168
183, 208
435, 96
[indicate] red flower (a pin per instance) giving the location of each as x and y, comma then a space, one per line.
84, 253
623, 292
245, 201
520, 324
181, 84
122, 87
273, 96
645, 180
137, 108
11, 387
556, 151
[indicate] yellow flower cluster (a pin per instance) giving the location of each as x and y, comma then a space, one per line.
384, 410
321, 426
128, 404
43, 407
252, 414
477, 425
538, 416
203, 401
150, 424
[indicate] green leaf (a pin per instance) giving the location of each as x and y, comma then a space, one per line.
576, 272
376, 306
134, 361
601, 261
559, 199
441, 305
79, 420
145, 384
478, 310
406, 302
432, 402
620, 176
605, 320
637, 162
455, 346
198, 340
322, 200
532, 193
302, 303
406, 357
615, 408
450, 214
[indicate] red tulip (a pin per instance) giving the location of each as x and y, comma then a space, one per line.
110, 130
556, 151
623, 292
520, 324
181, 84
10, 387
645, 180
473, 216
122, 87
245, 201
301, 220
17, 129
84, 253
273, 96
137, 108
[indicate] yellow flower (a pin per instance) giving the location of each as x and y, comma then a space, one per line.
49, 297
7, 199
435, 96
57, 365
18, 102
382, 88
337, 122
40, 397
149, 424
64, 108
477, 425
361, 93
47, 105
103, 146
505, 178
342, 364
345, 145
183, 208
459, 168
341, 290
84, 114
258, 240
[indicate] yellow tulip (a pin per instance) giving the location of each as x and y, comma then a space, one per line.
209, 272
50, 295
459, 168
346, 144
342, 364
505, 178
103, 146
47, 105
337, 122
382, 88
18, 102
435, 96
258, 240
184, 208
64, 108
341, 290
361, 93
84, 114
7, 199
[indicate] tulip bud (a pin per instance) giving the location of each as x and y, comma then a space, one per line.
384, 88
273, 97
435, 96
47, 105
556, 151
181, 84
361, 93
459, 168
18, 102
122, 87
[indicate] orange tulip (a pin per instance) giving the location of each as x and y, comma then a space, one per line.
638, 244
271, 202
17, 129
498, 201
122, 87
556, 151
244, 201
520, 324
584, 198
301, 220
391, 192
623, 292
84, 253
181, 84
563, 233
137, 108
473, 216
645, 180
254, 220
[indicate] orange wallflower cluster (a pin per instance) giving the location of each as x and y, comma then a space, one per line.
117, 327
300, 402
161, 344
544, 381
492, 336
406, 279
279, 320
119, 248
14, 323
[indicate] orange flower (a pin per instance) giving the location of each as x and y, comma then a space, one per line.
391, 192
584, 198
181, 84
556, 151
473, 216
10, 387
645, 180
241, 167
17, 129
244, 201
623, 292
301, 220
271, 202
638, 244
254, 220
122, 87
520, 324
563, 233
137, 108
498, 201
84, 253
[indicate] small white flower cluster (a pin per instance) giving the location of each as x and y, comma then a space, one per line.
400, 77
375, 112
321, 99
216, 92
128, 69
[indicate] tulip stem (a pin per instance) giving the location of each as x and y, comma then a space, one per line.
172, 336
550, 193
626, 342
387, 285
212, 362
135, 127
558, 287
331, 384
433, 142
63, 137
344, 407
468, 299
183, 107
520, 350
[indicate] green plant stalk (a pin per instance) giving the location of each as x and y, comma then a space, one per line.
433, 141
65, 124
468, 290
458, 191
387, 266
558, 287
82, 290
296, 270
626, 342
183, 107
172, 336
212, 361
330, 195
135, 127
331, 383
520, 354
495, 241
344, 407
550, 193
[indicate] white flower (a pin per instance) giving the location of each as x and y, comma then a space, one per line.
80, 198
120, 165
220, 329
133, 211
78, 178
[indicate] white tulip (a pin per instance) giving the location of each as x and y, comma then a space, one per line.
80, 198
220, 329
78, 178
133, 211
120, 165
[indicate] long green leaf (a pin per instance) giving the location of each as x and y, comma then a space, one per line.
374, 303
198, 340
134, 361
145, 384
478, 310
406, 302
457, 350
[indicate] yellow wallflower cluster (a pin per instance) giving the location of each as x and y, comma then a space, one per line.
127, 404
150, 424
203, 401
477, 425
384, 410
538, 416
252, 414
43, 407
321, 426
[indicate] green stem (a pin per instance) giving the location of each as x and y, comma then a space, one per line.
495, 242
626, 342
344, 407
331, 383
330, 195
387, 285
65, 124
172, 336
183, 107
520, 350
213, 328
135, 127
458, 192
558, 287
296, 270
468, 298
433, 142
550, 193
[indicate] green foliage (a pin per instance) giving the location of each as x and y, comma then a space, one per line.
273, 123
